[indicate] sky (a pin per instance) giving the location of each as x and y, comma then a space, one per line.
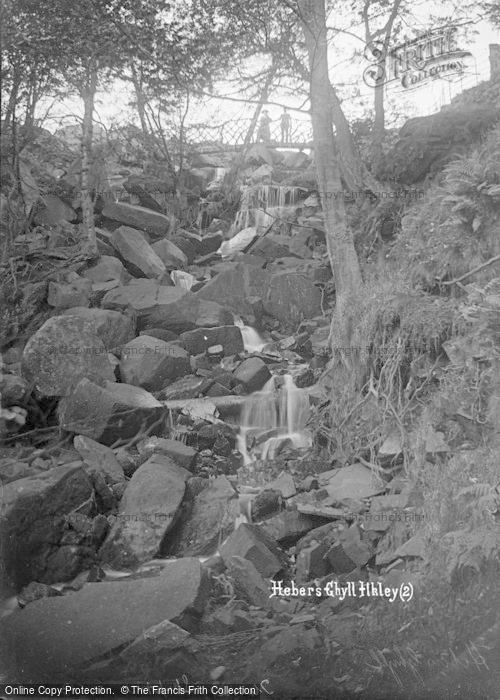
345, 73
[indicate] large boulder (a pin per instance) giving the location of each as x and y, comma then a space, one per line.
199, 340
232, 287
152, 363
52, 636
113, 328
290, 297
169, 308
151, 222
148, 512
253, 373
210, 519
54, 210
63, 351
99, 458
171, 255
108, 413
34, 520
138, 255
425, 143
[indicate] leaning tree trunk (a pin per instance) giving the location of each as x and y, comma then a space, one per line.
356, 175
87, 138
264, 96
339, 236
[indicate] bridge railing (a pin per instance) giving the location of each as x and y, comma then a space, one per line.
233, 132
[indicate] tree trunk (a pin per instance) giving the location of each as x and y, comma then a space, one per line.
87, 137
353, 170
339, 237
378, 133
264, 96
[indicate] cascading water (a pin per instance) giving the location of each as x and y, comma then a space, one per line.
182, 279
262, 205
252, 342
275, 415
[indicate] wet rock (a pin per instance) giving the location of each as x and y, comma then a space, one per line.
252, 543
53, 635
172, 257
33, 524
140, 218
290, 297
199, 340
113, 328
206, 435
100, 458
108, 413
148, 512
169, 308
151, 363
258, 155
176, 450
253, 373
211, 518
139, 257
64, 350
232, 287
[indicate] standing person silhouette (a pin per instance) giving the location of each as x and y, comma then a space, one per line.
286, 123
264, 133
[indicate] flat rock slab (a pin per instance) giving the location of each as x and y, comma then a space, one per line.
211, 519
172, 257
32, 523
53, 635
354, 481
169, 308
138, 255
139, 218
110, 412
233, 286
148, 512
182, 454
63, 351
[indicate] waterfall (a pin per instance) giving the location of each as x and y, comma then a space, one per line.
280, 411
262, 205
252, 342
182, 279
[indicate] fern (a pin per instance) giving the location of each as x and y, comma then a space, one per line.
471, 549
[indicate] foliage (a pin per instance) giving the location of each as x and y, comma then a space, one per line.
455, 228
